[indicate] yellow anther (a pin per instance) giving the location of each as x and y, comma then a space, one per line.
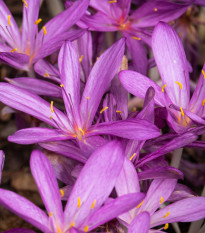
61, 85
97, 58
93, 204
52, 107
25, 3
50, 214
166, 226
9, 20
136, 38
88, 97
155, 9
203, 102
180, 85
86, 228
38, 21
102, 110
118, 111
164, 87
203, 73
13, 50
134, 109
141, 203
44, 30
79, 202
182, 112
81, 131
59, 229
112, 1
166, 215
161, 200
132, 156
46, 75
72, 224
51, 117
61, 192
81, 58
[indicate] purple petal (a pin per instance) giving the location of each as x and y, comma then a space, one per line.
187, 210
130, 128
99, 79
45, 178
141, 223
37, 86
2, 158
25, 209
114, 208
94, 183
36, 135
172, 63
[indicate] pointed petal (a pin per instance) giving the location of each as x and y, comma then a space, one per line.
172, 63
36, 135
45, 178
39, 87
181, 192
94, 183
186, 210
137, 84
99, 79
130, 129
2, 158
141, 223
25, 209
114, 208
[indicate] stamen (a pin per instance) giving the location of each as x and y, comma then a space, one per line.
51, 117
132, 156
26, 4
182, 112
166, 226
52, 107
118, 111
93, 204
44, 30
86, 228
46, 75
203, 73
50, 214
180, 85
88, 97
72, 224
13, 50
164, 87
166, 215
161, 200
136, 38
61, 85
38, 21
79, 202
59, 229
61, 192
112, 1
81, 58
103, 109
141, 203
9, 20
155, 9
83, 133
203, 102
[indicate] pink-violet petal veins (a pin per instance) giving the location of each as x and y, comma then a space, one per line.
186, 210
137, 84
129, 128
36, 135
99, 79
45, 179
37, 86
31, 104
172, 63
19, 230
114, 208
141, 223
2, 158
95, 183
25, 209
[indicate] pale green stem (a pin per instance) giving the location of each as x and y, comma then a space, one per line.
176, 158
54, 7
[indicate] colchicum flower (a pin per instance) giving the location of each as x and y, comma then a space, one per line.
21, 50
83, 211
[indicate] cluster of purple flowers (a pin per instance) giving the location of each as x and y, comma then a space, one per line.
112, 157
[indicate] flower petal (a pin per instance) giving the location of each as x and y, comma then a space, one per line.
45, 178
141, 223
172, 63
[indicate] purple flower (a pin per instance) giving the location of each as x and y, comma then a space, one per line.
84, 210
21, 50
174, 69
